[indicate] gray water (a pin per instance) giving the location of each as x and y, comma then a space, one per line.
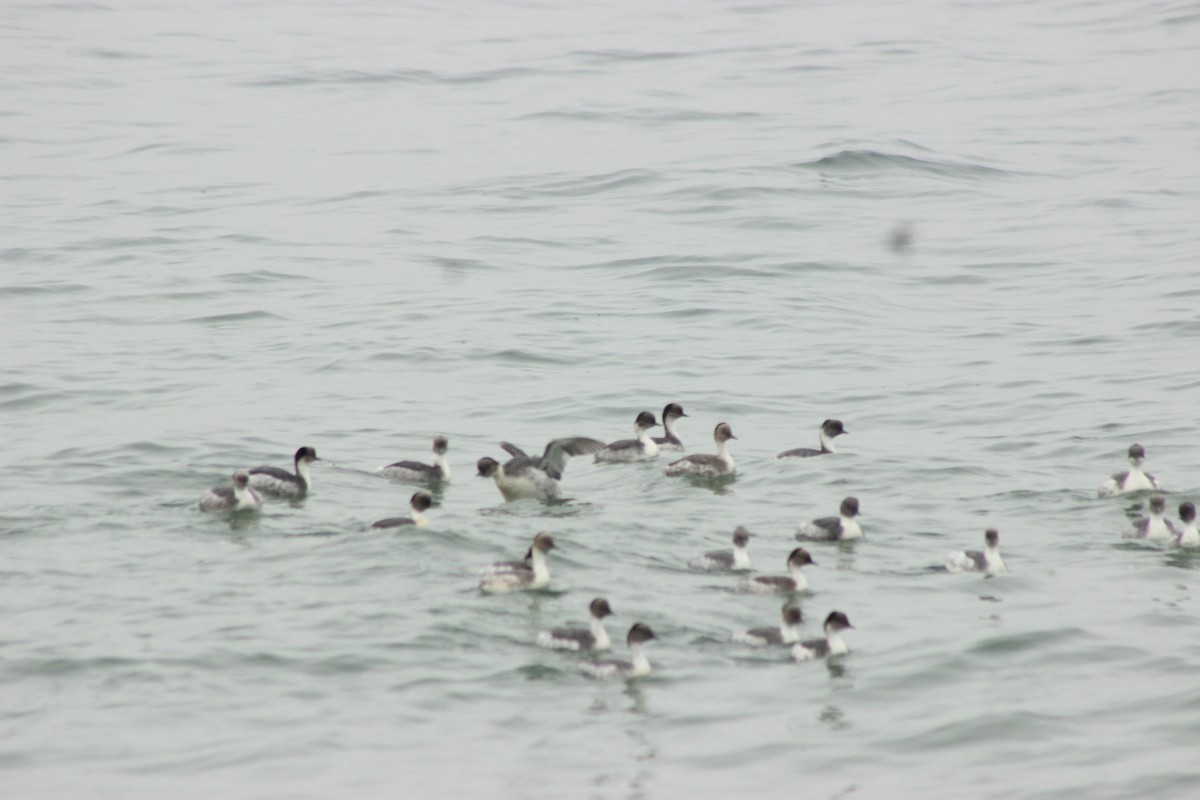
231, 230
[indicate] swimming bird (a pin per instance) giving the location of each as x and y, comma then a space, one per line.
786, 633
833, 529
778, 584
726, 560
418, 504
239, 497
1188, 536
643, 448
593, 638
514, 576
987, 561
416, 472
637, 665
704, 465
273, 480
1135, 480
672, 442
1155, 527
830, 430
524, 475
831, 645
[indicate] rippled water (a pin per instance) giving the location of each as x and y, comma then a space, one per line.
236, 229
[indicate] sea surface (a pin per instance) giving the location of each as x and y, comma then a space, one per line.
969, 230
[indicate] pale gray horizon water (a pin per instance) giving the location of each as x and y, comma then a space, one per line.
232, 230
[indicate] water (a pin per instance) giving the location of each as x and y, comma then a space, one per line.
233, 230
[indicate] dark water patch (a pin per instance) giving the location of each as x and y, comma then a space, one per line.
1111, 202
32, 401
1181, 20
182, 296
62, 667
160, 211
26, 255
207, 191
262, 276
115, 55
960, 279
643, 116
741, 192
525, 241
1168, 326
246, 238
762, 223
170, 149
42, 289
562, 507
417, 354
803, 267
693, 312
121, 258
699, 273
541, 672
618, 55
589, 185
803, 68
420, 77
1031, 640
1183, 558
148, 448
620, 264
234, 318
872, 161
347, 77
694, 211
460, 265
1010, 266
1016, 726
349, 197
122, 243
10, 389
514, 356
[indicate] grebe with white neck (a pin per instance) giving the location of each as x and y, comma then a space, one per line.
1189, 536
643, 448
830, 429
1155, 526
708, 466
516, 576
843, 527
418, 504
726, 560
524, 476
1134, 480
671, 441
594, 637
416, 472
239, 497
276, 481
637, 665
831, 645
787, 633
779, 584
987, 561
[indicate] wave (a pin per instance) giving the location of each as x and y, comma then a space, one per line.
589, 185
241, 316
850, 161
644, 115
422, 77
42, 289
